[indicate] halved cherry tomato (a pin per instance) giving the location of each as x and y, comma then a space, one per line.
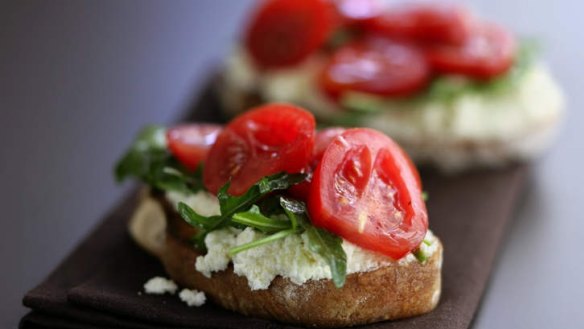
266, 140
376, 66
190, 143
365, 191
488, 52
427, 22
285, 32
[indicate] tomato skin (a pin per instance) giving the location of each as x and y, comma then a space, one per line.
190, 143
424, 22
322, 140
377, 66
488, 52
263, 141
285, 32
365, 191
413, 168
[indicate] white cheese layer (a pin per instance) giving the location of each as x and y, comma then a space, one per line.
532, 105
288, 257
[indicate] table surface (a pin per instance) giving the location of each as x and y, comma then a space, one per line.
78, 79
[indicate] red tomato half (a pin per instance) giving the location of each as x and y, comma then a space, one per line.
488, 52
365, 191
285, 32
428, 22
264, 141
376, 66
190, 143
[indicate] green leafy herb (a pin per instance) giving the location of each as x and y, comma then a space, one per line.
254, 218
229, 204
329, 247
232, 205
339, 38
242, 205
192, 217
148, 148
291, 218
293, 210
420, 255
321, 242
149, 160
362, 102
349, 118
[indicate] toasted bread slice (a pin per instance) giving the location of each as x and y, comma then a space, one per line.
391, 292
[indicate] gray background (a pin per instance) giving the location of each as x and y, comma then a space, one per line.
78, 79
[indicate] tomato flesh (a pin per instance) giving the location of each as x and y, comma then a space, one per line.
365, 191
285, 32
263, 141
487, 53
377, 66
425, 22
190, 143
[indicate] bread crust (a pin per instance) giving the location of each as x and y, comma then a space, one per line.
391, 292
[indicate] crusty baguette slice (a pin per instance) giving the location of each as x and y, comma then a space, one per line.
391, 292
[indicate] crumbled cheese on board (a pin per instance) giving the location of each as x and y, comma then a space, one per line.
192, 297
159, 286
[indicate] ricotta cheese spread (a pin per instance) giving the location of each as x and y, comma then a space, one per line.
288, 257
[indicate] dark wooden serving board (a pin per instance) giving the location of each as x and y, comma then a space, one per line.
98, 285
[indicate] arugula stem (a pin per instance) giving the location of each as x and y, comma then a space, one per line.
260, 221
420, 255
260, 242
